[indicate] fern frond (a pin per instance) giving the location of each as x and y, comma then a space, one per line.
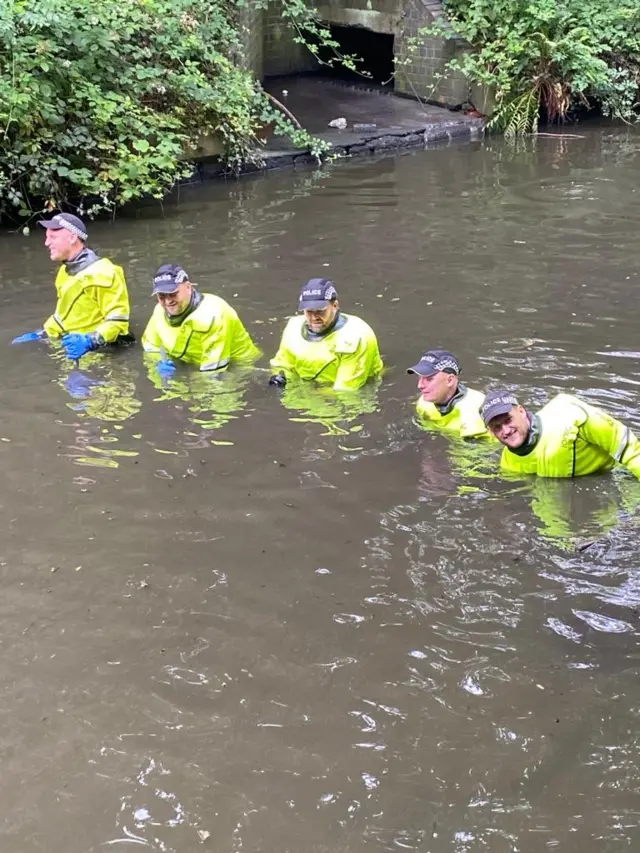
519, 115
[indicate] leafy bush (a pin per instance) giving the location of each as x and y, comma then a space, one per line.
99, 101
551, 54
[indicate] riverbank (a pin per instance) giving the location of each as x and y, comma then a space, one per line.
376, 121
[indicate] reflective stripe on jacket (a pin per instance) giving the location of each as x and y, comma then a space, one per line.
94, 300
345, 358
463, 419
576, 439
212, 336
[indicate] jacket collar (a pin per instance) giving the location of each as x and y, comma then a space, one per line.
338, 323
445, 408
196, 299
82, 260
533, 437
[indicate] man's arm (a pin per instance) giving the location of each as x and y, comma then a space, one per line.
52, 327
473, 427
151, 339
354, 368
216, 349
114, 307
283, 361
612, 436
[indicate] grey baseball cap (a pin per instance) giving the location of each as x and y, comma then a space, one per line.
317, 294
435, 360
499, 402
67, 221
168, 278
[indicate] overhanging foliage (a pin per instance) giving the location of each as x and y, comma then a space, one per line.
101, 99
551, 54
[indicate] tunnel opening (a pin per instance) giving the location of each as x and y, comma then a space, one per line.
374, 66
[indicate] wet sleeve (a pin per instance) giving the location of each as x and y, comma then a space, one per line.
114, 307
216, 348
283, 361
52, 328
473, 427
612, 436
355, 368
150, 339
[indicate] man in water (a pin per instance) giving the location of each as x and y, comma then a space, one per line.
323, 344
93, 302
197, 328
444, 401
566, 438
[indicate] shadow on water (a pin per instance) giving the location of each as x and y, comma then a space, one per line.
293, 621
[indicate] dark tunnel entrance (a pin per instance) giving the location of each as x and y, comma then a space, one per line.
375, 50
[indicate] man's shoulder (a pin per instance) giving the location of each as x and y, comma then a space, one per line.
354, 333
100, 271
426, 410
158, 312
564, 407
211, 310
294, 324
473, 398
356, 325
213, 300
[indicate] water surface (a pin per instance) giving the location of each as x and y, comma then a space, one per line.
230, 624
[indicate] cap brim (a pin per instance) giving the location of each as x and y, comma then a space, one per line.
320, 305
50, 224
165, 287
496, 412
421, 370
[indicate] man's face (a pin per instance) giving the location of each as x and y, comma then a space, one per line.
511, 429
439, 388
178, 301
320, 320
63, 245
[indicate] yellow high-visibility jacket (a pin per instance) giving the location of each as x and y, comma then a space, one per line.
464, 418
212, 336
345, 358
576, 439
93, 300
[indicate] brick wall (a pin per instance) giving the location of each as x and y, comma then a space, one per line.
252, 33
282, 55
423, 75
422, 71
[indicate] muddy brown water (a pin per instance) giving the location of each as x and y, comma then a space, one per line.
230, 625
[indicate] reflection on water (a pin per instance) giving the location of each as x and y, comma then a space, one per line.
294, 621
334, 410
213, 399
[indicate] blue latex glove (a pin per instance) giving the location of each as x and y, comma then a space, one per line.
166, 368
79, 385
76, 345
29, 336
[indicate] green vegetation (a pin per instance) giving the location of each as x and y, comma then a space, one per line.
550, 54
101, 101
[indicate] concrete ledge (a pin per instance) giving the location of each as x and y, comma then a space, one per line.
393, 124
429, 136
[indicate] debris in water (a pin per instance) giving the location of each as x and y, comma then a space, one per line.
340, 123
364, 126
203, 834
